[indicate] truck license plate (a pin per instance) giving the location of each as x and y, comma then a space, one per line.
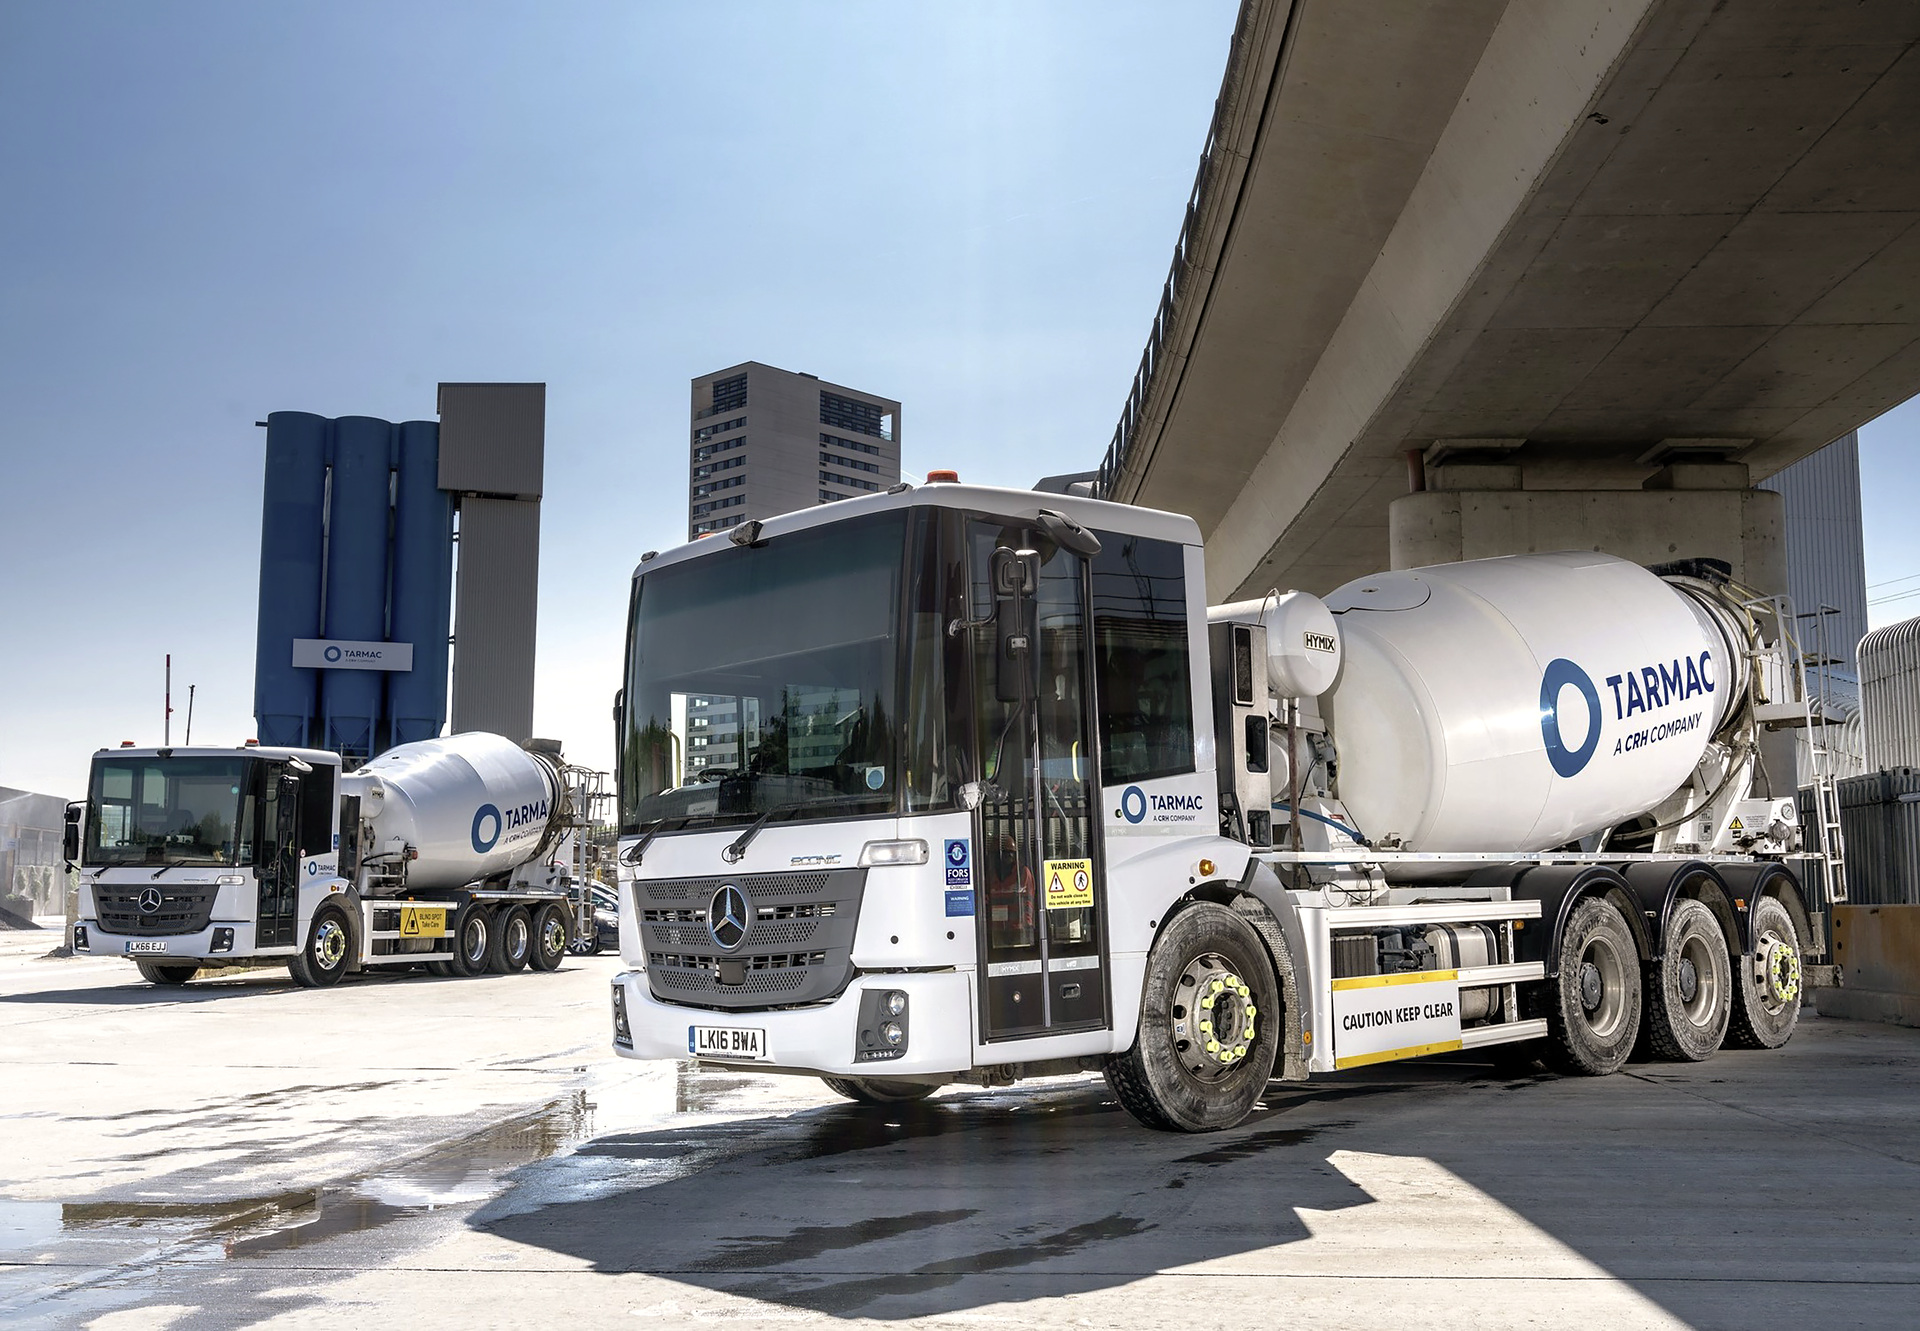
728, 1042
155, 945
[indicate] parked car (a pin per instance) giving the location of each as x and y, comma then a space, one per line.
606, 920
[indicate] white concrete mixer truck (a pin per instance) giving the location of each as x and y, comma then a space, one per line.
960, 784
435, 854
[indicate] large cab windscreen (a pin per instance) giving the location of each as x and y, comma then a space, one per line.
765, 679
165, 811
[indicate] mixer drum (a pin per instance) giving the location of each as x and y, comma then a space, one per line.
1523, 702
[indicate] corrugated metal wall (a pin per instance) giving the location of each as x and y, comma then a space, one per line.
1826, 562
1880, 819
1890, 694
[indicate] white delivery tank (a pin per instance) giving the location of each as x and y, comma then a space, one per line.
1523, 702
470, 805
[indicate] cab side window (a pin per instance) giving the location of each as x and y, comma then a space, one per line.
1140, 659
316, 811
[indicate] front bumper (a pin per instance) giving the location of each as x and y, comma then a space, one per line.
819, 1038
198, 945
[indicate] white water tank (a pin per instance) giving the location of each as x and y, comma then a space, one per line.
470, 805
1521, 703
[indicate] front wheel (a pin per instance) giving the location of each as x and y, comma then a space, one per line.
878, 1090
1767, 984
323, 961
1593, 1017
551, 937
160, 972
1209, 1025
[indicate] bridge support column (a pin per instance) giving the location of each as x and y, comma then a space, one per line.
1684, 510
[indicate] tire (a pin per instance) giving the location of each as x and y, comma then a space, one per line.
1690, 990
878, 1090
551, 937
1207, 960
160, 972
473, 936
440, 968
327, 954
1593, 1017
512, 940
1767, 985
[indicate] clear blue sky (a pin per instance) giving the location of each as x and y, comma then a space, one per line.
211, 212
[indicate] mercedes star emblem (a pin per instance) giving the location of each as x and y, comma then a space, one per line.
728, 916
150, 901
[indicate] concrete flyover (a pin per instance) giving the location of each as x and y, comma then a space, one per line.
1580, 271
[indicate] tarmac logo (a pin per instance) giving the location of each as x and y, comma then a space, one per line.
1561, 674
486, 828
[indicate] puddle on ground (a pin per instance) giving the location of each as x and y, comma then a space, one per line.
461, 1174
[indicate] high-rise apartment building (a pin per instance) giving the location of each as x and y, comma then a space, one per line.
768, 441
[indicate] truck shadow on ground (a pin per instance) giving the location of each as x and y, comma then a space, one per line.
1669, 1183
898, 1211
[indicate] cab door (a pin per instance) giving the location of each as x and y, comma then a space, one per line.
1041, 919
278, 862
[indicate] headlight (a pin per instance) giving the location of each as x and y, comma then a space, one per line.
896, 1003
877, 853
891, 1032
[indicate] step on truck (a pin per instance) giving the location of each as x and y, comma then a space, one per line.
433, 854
958, 784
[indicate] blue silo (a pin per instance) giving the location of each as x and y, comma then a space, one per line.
284, 695
422, 601
356, 596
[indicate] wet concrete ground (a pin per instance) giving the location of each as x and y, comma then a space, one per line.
445, 1152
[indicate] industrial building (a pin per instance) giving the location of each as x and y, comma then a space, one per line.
767, 441
359, 529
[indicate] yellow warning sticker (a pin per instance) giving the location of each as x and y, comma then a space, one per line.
1069, 883
1736, 826
423, 921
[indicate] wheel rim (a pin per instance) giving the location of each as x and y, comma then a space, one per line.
1213, 1017
553, 937
330, 944
1699, 981
517, 936
473, 941
1603, 987
1779, 971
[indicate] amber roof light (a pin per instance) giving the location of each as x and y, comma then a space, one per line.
934, 477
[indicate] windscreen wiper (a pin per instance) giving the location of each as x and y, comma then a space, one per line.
639, 847
738, 847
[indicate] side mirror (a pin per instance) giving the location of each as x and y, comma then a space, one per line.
1016, 579
70, 836
1068, 534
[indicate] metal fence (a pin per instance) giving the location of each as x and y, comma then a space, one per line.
1880, 821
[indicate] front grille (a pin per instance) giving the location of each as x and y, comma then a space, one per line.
183, 909
798, 948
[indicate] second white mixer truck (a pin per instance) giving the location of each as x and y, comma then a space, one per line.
968, 785
435, 853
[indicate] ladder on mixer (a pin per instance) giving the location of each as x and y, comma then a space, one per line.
1831, 850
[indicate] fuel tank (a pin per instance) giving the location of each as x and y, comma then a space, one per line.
1521, 703
470, 805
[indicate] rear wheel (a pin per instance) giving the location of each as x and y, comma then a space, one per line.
160, 972
1209, 1025
513, 940
1593, 1018
1767, 985
472, 940
878, 1090
551, 937
1690, 992
323, 961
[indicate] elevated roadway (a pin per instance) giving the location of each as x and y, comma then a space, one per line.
1539, 245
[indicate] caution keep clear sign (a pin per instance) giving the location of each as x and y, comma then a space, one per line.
1377, 1018
1069, 883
